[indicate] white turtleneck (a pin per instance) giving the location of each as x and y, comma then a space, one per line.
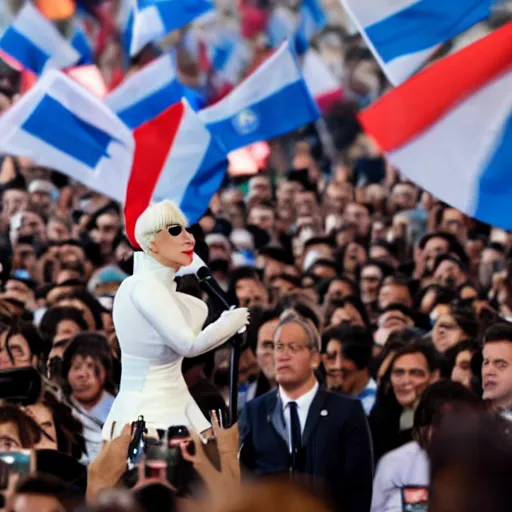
156, 327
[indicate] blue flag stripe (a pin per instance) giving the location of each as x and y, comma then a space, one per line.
205, 183
23, 50
494, 191
425, 24
83, 142
277, 114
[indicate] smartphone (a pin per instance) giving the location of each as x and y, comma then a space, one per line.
21, 463
414, 499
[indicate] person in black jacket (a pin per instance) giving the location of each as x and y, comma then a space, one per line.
314, 435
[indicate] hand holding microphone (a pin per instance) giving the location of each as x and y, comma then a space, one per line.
239, 317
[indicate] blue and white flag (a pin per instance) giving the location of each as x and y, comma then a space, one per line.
272, 101
60, 125
312, 21
404, 34
80, 42
149, 92
282, 25
36, 43
153, 19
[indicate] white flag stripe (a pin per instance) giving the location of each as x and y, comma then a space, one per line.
135, 88
286, 72
187, 152
462, 146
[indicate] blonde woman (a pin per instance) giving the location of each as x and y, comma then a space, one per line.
157, 327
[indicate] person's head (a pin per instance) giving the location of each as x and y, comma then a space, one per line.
58, 229
346, 355
105, 226
413, 368
273, 261
370, 278
247, 288
395, 290
32, 224
456, 325
432, 246
296, 349
453, 221
260, 188
161, 232
404, 196
41, 192
88, 305
21, 346
282, 284
350, 257
349, 310
265, 344
87, 368
263, 216
62, 323
384, 251
337, 196
396, 317
462, 354
323, 268
358, 215
497, 365
339, 288
441, 398
41, 493
17, 430
449, 271
492, 260
14, 200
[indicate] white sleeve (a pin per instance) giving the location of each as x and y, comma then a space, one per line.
159, 308
384, 488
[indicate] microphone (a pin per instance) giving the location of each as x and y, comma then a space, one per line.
206, 279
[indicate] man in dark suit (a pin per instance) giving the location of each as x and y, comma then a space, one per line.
304, 430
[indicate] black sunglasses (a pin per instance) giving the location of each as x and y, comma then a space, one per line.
176, 229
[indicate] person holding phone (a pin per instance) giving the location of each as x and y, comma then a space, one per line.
157, 327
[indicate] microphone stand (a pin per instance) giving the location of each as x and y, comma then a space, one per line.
236, 342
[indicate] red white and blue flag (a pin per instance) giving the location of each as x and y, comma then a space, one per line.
449, 128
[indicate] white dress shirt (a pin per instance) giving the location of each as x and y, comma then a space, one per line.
303, 404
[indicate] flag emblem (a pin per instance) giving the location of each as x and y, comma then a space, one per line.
246, 122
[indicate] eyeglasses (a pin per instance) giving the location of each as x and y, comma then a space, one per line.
176, 229
294, 348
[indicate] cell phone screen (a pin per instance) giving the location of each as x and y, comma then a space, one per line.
20, 463
415, 499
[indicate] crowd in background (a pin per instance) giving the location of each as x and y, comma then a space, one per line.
412, 301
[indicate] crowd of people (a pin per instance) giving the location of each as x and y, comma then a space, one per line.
391, 309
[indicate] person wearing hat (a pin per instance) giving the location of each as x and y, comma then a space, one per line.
157, 327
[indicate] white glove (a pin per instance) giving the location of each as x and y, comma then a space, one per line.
238, 318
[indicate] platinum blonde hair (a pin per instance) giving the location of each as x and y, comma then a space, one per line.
290, 316
156, 217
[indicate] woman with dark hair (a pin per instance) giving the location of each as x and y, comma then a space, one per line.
349, 310
17, 430
21, 346
459, 360
408, 466
60, 430
62, 323
91, 309
412, 369
89, 385
452, 327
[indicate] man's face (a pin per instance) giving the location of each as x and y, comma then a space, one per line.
286, 191
490, 262
86, 378
370, 281
24, 257
403, 197
358, 216
332, 360
19, 291
497, 373
265, 349
42, 201
281, 287
251, 292
106, 230
306, 203
259, 187
10, 438
15, 352
462, 369
355, 255
395, 320
446, 333
262, 217
295, 361
271, 268
448, 273
57, 231
410, 376
394, 294
433, 248
338, 290
33, 225
44, 418
378, 253
13, 201
453, 222
337, 197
